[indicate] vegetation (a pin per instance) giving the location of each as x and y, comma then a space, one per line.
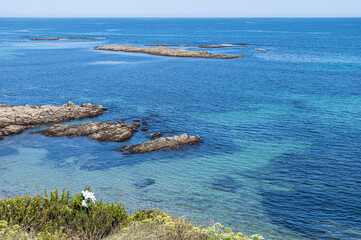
57, 216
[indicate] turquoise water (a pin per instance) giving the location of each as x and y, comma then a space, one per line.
280, 130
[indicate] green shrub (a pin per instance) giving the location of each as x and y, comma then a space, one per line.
57, 214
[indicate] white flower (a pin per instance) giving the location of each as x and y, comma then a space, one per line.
83, 203
89, 195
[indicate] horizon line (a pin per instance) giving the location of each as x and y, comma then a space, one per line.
181, 17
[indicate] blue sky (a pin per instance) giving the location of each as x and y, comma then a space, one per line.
180, 8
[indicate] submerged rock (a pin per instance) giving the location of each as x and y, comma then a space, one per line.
58, 38
101, 131
16, 119
226, 184
161, 143
163, 51
144, 183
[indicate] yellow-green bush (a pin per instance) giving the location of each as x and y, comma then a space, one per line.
57, 214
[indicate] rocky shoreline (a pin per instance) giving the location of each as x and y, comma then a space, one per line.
16, 119
59, 38
169, 52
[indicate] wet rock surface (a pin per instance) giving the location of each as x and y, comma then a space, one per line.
16, 119
155, 135
101, 131
162, 143
163, 51
59, 38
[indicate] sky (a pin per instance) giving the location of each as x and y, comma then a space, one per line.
180, 8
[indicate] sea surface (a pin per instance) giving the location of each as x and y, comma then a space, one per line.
280, 150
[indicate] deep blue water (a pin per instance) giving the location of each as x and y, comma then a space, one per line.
280, 153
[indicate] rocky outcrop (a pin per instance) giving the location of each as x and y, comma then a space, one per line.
15, 119
161, 143
163, 51
101, 131
58, 38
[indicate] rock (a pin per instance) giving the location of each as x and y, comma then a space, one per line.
161, 143
136, 120
155, 135
58, 38
144, 129
126, 147
144, 123
163, 51
15, 119
101, 131
261, 50
144, 183
226, 184
136, 124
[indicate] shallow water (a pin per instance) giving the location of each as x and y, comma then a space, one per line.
280, 150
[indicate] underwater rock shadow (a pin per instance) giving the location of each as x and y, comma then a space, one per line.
144, 183
225, 184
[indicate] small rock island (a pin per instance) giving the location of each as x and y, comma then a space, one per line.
169, 52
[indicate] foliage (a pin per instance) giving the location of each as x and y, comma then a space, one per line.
153, 224
57, 214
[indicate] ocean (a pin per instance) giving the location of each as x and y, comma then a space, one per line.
280, 150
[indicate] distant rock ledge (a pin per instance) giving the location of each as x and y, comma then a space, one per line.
169, 52
58, 38
16, 119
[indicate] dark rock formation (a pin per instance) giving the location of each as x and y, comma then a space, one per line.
163, 51
155, 135
161, 143
15, 119
226, 184
101, 131
145, 129
58, 38
144, 183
